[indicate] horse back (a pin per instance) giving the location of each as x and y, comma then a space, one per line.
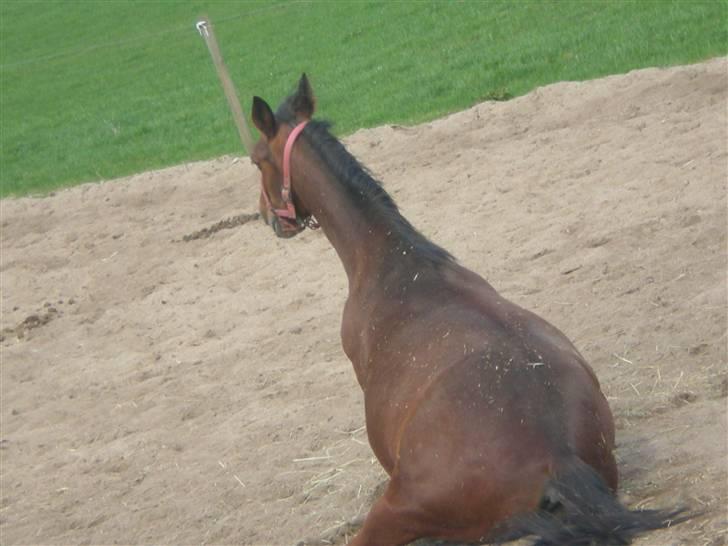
458, 354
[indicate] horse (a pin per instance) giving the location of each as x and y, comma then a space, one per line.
489, 422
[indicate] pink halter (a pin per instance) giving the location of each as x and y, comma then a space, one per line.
287, 216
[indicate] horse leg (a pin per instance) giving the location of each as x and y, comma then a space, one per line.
390, 522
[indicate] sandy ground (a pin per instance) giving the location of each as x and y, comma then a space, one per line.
163, 391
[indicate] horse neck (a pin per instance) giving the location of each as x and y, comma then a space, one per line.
363, 244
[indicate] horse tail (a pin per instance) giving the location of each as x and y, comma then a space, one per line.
578, 509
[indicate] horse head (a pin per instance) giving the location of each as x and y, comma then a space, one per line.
279, 206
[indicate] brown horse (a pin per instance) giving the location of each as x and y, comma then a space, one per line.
487, 419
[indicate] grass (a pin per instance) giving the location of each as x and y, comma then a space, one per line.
97, 90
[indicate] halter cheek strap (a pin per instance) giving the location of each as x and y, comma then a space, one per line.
287, 214
286, 193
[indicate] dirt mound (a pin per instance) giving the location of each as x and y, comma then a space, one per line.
36, 320
197, 393
227, 223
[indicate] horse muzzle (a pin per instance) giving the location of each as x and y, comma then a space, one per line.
284, 228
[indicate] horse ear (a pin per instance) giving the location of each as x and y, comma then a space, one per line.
304, 103
263, 118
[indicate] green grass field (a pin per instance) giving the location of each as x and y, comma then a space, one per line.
94, 90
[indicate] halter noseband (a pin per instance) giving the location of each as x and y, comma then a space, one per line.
288, 218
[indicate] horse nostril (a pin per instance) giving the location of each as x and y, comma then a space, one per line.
276, 225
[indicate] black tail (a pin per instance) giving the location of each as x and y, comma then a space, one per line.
580, 510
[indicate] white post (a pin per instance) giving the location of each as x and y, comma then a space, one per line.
204, 27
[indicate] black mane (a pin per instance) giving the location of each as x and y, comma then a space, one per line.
365, 192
